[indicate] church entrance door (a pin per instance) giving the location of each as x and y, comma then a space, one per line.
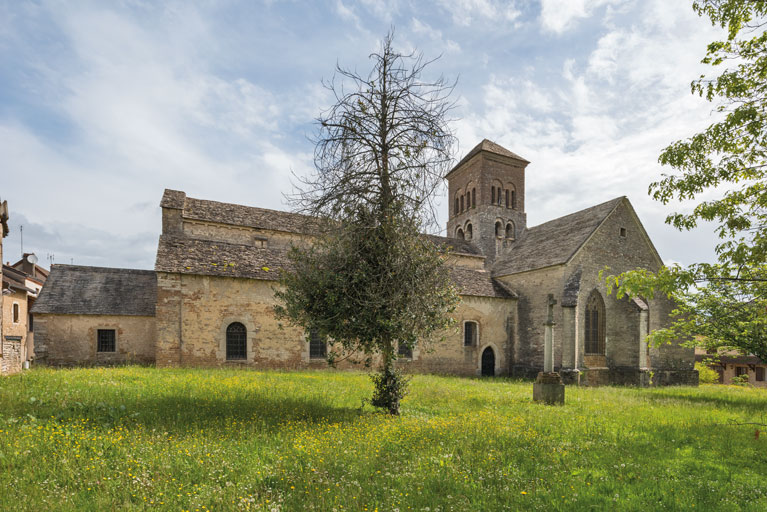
488, 362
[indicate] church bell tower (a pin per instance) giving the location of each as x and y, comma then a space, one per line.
487, 199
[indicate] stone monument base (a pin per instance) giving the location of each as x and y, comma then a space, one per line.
548, 388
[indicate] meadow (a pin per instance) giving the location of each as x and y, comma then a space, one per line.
191, 439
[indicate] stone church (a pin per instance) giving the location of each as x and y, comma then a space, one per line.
210, 301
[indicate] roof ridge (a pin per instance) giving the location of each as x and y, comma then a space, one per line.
100, 269
578, 212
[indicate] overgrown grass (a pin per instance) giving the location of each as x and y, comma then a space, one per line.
135, 438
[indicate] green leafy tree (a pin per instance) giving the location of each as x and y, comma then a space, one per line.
371, 283
722, 304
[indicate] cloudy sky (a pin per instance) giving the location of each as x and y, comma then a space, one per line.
104, 104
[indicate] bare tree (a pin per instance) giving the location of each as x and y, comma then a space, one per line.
386, 139
373, 284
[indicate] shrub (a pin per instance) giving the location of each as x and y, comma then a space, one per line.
706, 375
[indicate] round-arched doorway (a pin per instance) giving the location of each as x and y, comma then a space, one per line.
488, 362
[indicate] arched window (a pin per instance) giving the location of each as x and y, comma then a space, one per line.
456, 210
510, 230
318, 349
236, 341
459, 234
595, 324
470, 334
461, 203
498, 228
500, 196
513, 199
507, 198
474, 198
492, 195
469, 232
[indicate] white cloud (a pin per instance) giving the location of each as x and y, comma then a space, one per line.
560, 15
434, 35
465, 12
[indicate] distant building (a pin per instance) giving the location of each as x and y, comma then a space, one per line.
210, 299
23, 280
733, 364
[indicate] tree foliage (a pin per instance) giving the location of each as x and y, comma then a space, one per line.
725, 302
372, 283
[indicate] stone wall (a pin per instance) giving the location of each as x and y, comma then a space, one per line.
72, 339
621, 364
728, 372
204, 306
241, 234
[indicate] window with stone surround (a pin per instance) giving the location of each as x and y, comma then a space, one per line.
404, 351
106, 340
513, 199
474, 198
498, 229
469, 232
595, 325
470, 334
741, 370
507, 198
492, 195
318, 349
456, 211
15, 312
236, 341
459, 234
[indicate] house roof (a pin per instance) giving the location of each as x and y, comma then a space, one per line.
490, 147
554, 242
205, 257
81, 290
14, 279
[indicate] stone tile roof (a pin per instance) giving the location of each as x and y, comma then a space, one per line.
554, 242
455, 245
205, 257
490, 147
81, 290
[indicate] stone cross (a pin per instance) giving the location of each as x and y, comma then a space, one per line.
548, 349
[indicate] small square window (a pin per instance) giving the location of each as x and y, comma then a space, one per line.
404, 351
106, 340
623, 232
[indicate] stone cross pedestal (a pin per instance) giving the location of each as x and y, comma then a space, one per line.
548, 387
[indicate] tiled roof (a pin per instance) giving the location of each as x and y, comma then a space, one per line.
80, 290
490, 147
553, 242
455, 245
206, 257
